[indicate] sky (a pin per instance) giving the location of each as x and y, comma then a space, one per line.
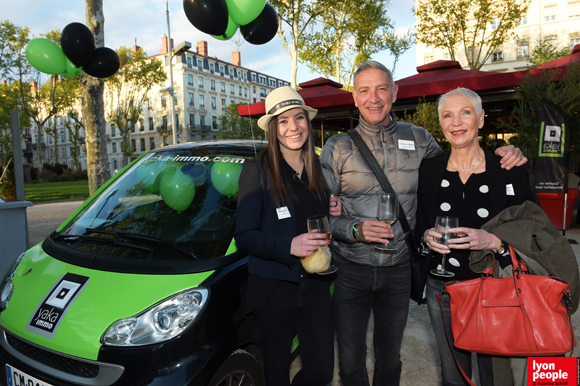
146, 21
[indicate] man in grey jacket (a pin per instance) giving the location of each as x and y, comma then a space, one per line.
368, 279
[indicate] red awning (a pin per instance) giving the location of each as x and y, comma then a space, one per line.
441, 76
321, 93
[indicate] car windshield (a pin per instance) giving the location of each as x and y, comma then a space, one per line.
177, 204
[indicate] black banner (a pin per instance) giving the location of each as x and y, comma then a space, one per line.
553, 149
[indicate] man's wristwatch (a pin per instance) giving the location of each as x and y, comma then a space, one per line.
501, 248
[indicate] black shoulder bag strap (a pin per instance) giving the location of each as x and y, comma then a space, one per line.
380, 174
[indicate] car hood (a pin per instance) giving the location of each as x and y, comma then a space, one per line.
100, 299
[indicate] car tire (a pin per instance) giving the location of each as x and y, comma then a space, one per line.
242, 369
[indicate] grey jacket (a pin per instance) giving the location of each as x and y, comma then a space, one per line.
399, 148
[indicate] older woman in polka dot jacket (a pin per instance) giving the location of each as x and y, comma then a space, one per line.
469, 183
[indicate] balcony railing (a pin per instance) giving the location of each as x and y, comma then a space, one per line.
27, 137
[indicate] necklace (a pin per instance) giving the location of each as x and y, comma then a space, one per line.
466, 170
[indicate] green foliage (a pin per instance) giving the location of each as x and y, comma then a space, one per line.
350, 33
13, 40
426, 116
466, 25
563, 89
128, 91
232, 126
298, 15
545, 52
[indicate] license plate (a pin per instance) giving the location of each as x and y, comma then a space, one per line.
15, 377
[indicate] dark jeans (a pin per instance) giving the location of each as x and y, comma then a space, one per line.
303, 309
359, 289
449, 371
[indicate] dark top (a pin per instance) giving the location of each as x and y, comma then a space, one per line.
264, 235
483, 196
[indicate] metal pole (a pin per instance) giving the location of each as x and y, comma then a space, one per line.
17, 155
565, 206
170, 52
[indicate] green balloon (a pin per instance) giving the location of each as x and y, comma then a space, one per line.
71, 70
149, 175
177, 189
46, 56
245, 11
225, 176
230, 30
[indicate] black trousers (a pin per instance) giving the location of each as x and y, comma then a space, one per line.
303, 309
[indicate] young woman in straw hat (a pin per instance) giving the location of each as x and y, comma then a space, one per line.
279, 190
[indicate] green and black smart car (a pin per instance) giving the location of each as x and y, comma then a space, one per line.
142, 285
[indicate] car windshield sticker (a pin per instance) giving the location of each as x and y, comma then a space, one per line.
54, 306
187, 158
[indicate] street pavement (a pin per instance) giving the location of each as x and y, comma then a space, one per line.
419, 350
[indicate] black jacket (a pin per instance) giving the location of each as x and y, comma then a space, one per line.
259, 231
432, 171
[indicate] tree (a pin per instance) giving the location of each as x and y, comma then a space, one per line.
563, 89
232, 126
427, 116
476, 28
9, 36
298, 14
98, 169
545, 52
350, 33
8, 103
74, 124
128, 90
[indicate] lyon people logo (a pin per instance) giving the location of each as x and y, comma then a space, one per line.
51, 310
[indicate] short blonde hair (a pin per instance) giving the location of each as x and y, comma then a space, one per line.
460, 91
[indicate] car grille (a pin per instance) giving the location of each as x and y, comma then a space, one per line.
67, 365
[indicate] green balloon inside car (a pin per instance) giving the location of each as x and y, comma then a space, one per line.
177, 189
225, 176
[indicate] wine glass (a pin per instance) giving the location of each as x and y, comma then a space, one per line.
388, 212
442, 225
320, 224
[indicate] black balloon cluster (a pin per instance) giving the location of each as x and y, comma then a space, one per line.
78, 44
257, 20
77, 53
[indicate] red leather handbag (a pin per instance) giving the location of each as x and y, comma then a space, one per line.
521, 315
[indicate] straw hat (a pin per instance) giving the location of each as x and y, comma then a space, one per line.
280, 100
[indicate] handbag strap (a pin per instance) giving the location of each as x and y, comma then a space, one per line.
380, 174
439, 294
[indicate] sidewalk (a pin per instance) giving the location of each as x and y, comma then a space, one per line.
419, 351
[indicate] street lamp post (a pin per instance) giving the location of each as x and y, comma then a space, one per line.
171, 93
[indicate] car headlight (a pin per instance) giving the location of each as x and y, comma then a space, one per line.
6, 287
160, 322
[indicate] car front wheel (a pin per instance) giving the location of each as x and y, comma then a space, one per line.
241, 368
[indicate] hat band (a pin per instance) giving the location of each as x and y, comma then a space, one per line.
291, 102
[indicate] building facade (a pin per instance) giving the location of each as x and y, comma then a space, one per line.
557, 21
203, 86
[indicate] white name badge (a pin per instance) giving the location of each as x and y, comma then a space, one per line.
509, 190
283, 212
406, 145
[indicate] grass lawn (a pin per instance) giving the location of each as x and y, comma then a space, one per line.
51, 191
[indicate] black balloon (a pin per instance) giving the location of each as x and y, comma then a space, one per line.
103, 63
263, 28
78, 43
208, 16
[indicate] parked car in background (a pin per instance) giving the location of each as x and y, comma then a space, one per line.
142, 285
